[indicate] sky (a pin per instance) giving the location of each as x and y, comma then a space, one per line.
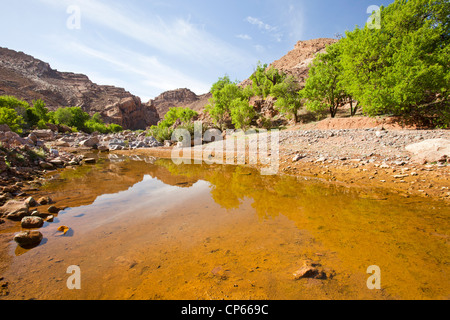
152, 46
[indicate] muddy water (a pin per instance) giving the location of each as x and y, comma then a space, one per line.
148, 229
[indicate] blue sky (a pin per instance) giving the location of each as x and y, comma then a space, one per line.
148, 47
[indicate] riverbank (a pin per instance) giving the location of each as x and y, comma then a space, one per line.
367, 158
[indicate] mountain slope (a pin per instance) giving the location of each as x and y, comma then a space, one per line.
28, 78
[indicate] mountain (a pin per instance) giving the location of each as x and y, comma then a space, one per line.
179, 98
27, 78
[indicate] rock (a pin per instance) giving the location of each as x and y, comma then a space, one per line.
90, 143
32, 222
31, 202
4, 128
310, 271
90, 161
45, 200
28, 238
54, 210
14, 210
432, 150
103, 148
46, 165
57, 163
44, 134
297, 157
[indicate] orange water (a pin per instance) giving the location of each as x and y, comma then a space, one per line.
148, 229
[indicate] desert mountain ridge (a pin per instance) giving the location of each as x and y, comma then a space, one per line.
28, 78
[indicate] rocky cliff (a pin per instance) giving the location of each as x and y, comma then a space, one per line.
28, 78
179, 98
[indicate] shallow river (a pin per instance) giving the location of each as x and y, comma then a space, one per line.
144, 228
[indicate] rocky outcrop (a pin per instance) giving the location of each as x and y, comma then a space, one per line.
179, 98
29, 79
298, 60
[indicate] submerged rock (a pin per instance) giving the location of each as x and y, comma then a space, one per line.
14, 210
28, 238
32, 222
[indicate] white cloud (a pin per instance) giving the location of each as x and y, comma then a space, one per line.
147, 72
174, 36
244, 37
273, 31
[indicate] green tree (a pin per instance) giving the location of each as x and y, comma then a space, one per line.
224, 91
264, 79
403, 67
288, 101
325, 88
242, 114
10, 117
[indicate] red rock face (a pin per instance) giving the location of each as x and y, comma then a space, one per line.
184, 98
28, 78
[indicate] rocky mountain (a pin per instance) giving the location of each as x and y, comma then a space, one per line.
179, 98
296, 62
27, 78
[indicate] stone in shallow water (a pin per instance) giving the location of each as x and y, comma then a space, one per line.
32, 222
28, 238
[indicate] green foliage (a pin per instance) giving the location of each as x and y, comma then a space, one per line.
10, 117
402, 68
325, 88
242, 114
288, 101
230, 101
163, 131
264, 79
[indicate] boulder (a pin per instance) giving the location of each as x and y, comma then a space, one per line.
44, 134
14, 210
31, 202
4, 128
90, 142
45, 200
432, 150
28, 238
32, 222
54, 210
46, 165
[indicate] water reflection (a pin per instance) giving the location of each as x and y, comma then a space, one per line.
348, 229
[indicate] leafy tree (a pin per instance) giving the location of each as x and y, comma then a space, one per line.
288, 101
403, 67
10, 117
242, 114
264, 79
40, 109
224, 91
325, 88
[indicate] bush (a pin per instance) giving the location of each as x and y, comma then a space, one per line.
12, 119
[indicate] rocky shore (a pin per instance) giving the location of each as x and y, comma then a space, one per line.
409, 162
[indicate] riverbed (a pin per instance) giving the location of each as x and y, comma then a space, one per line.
144, 228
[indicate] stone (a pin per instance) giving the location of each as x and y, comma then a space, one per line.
90, 143
44, 134
45, 200
90, 161
31, 202
432, 150
53, 210
28, 238
32, 222
46, 165
14, 210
